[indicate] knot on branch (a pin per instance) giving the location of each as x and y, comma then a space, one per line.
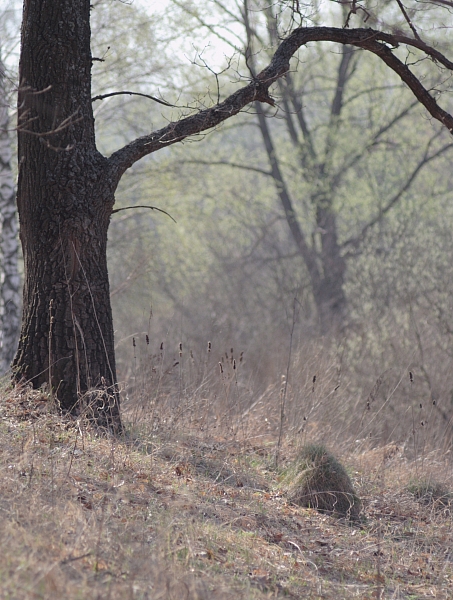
262, 93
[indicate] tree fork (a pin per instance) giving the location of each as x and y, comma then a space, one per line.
376, 42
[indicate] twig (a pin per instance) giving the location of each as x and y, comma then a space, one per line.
102, 96
144, 206
406, 16
74, 558
285, 389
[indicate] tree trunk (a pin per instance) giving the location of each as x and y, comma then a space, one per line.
327, 268
10, 280
65, 199
329, 296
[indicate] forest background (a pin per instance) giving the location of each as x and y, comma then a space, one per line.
312, 244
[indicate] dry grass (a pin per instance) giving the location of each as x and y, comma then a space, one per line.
316, 479
171, 514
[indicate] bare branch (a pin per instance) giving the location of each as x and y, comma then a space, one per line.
353, 159
443, 3
210, 163
300, 115
212, 28
355, 241
396, 39
258, 89
408, 20
102, 96
143, 206
286, 202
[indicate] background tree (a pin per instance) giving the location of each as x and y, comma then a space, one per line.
10, 286
9, 263
336, 127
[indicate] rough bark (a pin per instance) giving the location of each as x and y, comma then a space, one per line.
10, 279
65, 200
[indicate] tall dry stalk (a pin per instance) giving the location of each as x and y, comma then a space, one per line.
283, 394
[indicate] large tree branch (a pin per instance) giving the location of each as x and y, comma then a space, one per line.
343, 76
300, 115
258, 89
351, 160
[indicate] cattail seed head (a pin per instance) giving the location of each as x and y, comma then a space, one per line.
147, 339
314, 381
133, 342
209, 346
234, 363
411, 377
221, 367
162, 346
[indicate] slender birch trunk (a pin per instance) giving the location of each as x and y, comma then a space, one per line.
9, 245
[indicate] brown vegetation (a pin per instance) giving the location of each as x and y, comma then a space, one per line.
176, 510
316, 479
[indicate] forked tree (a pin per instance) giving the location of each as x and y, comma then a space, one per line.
66, 189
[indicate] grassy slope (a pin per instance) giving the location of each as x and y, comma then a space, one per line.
185, 516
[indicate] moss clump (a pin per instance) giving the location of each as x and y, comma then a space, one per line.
431, 492
317, 480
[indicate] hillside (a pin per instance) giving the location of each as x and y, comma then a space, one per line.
184, 514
